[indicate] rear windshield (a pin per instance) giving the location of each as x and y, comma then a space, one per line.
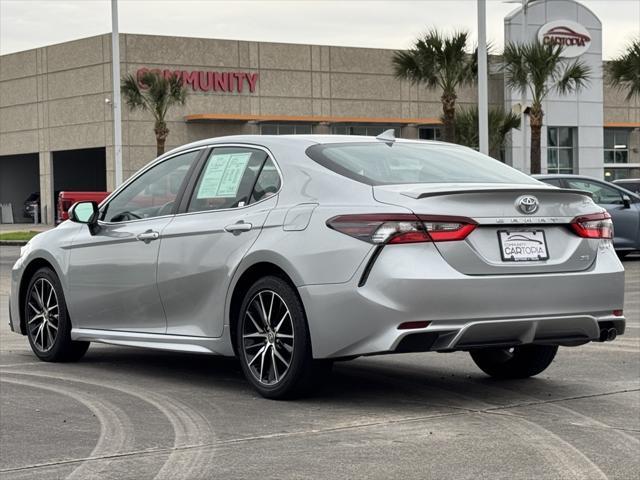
379, 163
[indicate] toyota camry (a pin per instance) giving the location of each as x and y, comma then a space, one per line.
292, 252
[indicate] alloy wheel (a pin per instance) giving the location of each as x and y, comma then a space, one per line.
268, 337
43, 314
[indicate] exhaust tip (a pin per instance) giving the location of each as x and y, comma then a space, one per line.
608, 334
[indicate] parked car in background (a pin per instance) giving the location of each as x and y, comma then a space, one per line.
622, 204
32, 205
631, 184
66, 199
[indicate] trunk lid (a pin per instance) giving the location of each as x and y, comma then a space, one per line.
495, 208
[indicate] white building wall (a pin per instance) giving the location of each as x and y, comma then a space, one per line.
583, 110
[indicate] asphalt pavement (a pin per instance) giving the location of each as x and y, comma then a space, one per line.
138, 414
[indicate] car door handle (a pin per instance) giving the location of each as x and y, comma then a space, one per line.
148, 236
238, 227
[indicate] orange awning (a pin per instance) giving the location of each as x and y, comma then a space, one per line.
228, 117
622, 124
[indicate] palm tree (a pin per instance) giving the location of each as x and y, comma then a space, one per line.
154, 93
501, 122
439, 61
624, 71
540, 69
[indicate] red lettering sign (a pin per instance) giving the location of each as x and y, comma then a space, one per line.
208, 81
566, 37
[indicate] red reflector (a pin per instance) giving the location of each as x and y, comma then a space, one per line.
412, 325
617, 313
410, 237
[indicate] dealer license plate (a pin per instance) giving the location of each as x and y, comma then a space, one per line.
523, 245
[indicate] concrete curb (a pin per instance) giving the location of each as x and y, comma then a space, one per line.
13, 243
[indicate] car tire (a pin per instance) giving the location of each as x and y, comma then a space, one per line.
273, 342
517, 362
47, 320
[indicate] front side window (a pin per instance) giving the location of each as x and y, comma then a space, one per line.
560, 149
616, 145
153, 193
379, 163
232, 177
602, 194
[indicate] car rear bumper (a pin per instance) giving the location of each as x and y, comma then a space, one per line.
411, 283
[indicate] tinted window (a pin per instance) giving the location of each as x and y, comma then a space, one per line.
602, 193
631, 186
382, 164
153, 193
268, 182
552, 181
227, 179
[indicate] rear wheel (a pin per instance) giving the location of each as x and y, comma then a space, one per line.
517, 362
47, 320
273, 341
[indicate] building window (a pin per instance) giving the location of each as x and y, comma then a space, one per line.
368, 130
616, 145
430, 133
285, 129
560, 149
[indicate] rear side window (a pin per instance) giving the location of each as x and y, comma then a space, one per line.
552, 181
601, 193
227, 179
379, 163
268, 182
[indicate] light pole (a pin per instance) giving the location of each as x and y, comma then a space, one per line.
483, 101
115, 74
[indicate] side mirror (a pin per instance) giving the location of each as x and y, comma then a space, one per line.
85, 212
626, 201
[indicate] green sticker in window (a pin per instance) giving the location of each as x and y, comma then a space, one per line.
223, 175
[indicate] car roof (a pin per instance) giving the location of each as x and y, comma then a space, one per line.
627, 180
301, 141
548, 176
540, 176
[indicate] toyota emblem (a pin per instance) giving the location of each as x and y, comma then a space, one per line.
527, 204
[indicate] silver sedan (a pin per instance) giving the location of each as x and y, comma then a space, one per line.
292, 252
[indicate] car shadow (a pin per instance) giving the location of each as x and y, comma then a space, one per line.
375, 383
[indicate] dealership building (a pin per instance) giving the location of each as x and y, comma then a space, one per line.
56, 103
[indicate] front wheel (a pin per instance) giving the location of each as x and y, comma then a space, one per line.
47, 320
517, 362
273, 340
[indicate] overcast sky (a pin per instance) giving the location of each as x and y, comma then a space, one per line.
26, 24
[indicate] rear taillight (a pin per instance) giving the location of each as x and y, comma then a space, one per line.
402, 228
595, 225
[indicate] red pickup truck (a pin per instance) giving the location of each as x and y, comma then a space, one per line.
66, 199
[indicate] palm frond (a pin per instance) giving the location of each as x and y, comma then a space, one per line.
437, 60
132, 93
500, 123
574, 78
623, 72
